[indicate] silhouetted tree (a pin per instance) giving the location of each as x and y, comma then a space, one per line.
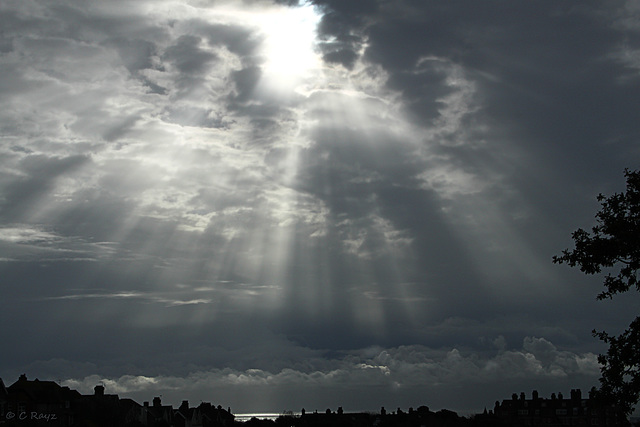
614, 244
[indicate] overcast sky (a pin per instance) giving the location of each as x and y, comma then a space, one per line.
272, 206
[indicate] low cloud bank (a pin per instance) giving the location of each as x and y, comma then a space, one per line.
401, 376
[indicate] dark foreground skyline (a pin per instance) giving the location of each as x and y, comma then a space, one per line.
35, 402
354, 203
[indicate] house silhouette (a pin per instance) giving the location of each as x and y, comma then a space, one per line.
46, 403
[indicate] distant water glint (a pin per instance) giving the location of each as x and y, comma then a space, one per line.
264, 416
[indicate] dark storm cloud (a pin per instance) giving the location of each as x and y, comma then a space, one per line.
531, 64
341, 30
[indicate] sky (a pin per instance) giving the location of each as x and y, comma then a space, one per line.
282, 205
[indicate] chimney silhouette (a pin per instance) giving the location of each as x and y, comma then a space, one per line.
99, 390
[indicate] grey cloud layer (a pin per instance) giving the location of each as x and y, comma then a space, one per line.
410, 374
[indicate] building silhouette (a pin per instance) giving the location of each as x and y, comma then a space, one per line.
45, 403
558, 411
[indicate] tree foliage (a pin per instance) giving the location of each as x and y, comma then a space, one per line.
613, 245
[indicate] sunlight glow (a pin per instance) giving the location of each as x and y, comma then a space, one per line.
289, 45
